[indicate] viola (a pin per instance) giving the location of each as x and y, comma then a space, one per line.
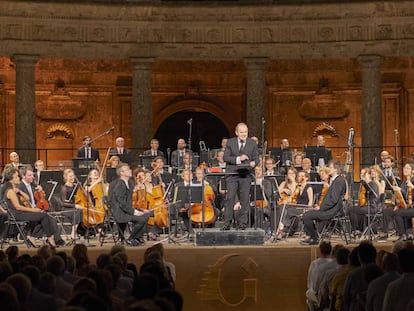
41, 201
323, 193
362, 196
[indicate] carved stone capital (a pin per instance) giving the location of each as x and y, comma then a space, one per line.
370, 61
23, 60
256, 63
142, 63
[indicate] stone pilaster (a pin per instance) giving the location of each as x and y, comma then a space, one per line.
255, 94
371, 108
25, 120
141, 103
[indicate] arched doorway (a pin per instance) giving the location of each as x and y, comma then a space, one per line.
205, 127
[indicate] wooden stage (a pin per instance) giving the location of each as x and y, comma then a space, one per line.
267, 277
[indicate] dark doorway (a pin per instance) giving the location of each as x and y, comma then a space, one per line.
205, 127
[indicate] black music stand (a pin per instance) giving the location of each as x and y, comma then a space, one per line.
317, 187
83, 163
257, 194
146, 160
187, 195
124, 158
110, 174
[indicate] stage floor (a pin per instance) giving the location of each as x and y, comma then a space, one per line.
271, 276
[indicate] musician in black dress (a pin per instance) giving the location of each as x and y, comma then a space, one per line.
19, 205
68, 195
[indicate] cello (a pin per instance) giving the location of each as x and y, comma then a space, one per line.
208, 199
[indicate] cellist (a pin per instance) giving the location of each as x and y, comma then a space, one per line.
403, 216
262, 198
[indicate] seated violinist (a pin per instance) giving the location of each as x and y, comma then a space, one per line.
37, 199
403, 216
18, 203
68, 194
302, 197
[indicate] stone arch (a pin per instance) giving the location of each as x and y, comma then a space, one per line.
192, 103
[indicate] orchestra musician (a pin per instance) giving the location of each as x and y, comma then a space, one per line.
160, 175
113, 161
372, 188
39, 167
154, 151
34, 193
120, 199
241, 156
178, 154
182, 208
297, 161
214, 152
86, 151
67, 194
119, 147
141, 199
14, 163
332, 204
270, 166
303, 196
219, 160
323, 154
187, 163
262, 199
404, 216
390, 176
18, 203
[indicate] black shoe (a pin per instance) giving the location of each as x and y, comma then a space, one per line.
226, 227
131, 242
140, 241
60, 243
310, 242
242, 227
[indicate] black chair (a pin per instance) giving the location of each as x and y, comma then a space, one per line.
13, 222
340, 224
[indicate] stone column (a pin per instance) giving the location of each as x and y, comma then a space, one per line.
25, 113
141, 104
255, 94
371, 108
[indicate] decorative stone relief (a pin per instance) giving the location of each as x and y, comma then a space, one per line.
58, 131
323, 105
384, 32
324, 129
60, 106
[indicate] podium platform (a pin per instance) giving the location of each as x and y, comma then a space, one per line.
216, 237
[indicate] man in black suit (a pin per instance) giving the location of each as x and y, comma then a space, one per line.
241, 155
119, 147
155, 144
331, 204
86, 151
178, 154
120, 200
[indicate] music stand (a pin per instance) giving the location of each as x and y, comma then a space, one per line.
110, 174
46, 176
188, 195
257, 194
83, 163
124, 158
317, 187
146, 160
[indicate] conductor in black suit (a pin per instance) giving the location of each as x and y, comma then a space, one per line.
241, 156
331, 204
86, 151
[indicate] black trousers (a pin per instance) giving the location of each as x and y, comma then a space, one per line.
45, 221
237, 186
403, 223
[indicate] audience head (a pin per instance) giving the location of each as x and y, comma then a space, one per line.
8, 297
367, 253
390, 262
21, 283
342, 256
406, 259
325, 248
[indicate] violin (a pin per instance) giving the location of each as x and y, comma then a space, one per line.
41, 201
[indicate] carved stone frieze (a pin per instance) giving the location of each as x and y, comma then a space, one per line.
198, 31
60, 106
